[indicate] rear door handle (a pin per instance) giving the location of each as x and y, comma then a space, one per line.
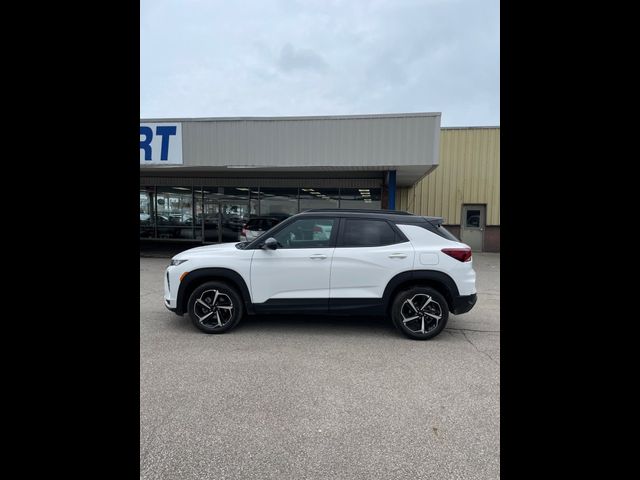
318, 256
398, 255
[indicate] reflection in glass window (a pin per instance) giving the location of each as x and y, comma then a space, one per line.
174, 212
234, 211
206, 208
306, 233
254, 202
368, 198
473, 218
367, 233
318, 198
278, 202
147, 217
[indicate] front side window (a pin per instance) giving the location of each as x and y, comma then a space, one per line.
367, 233
306, 233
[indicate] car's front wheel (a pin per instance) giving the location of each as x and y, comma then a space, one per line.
215, 307
420, 313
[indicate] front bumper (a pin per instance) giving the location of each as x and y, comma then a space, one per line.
174, 310
463, 304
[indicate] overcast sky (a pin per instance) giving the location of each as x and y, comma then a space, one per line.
211, 58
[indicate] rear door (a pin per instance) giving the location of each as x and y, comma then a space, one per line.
368, 254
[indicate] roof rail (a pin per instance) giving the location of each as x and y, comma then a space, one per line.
358, 210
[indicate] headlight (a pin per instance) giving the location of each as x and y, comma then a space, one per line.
176, 262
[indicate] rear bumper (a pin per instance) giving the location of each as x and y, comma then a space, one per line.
463, 304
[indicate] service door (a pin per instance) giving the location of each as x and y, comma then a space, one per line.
472, 227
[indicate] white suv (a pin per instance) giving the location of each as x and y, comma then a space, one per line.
366, 262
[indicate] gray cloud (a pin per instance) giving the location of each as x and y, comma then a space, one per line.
284, 57
303, 59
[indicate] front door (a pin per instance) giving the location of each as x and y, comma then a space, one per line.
296, 274
472, 226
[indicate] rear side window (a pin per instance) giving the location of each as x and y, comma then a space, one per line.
443, 232
439, 230
367, 233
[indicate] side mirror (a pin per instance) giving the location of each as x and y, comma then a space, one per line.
270, 243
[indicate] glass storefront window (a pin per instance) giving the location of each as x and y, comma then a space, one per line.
278, 202
218, 214
206, 208
233, 204
174, 212
318, 198
147, 215
368, 198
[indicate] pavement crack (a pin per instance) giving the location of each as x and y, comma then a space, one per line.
478, 350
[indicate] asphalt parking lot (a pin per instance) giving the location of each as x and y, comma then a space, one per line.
319, 397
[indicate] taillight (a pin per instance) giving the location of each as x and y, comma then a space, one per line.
317, 229
460, 254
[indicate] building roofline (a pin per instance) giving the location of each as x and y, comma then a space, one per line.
285, 118
470, 128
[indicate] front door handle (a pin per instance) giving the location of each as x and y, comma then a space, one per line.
318, 256
398, 255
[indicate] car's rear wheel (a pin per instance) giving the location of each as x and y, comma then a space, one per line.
420, 313
215, 307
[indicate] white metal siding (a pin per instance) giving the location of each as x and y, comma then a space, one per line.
359, 142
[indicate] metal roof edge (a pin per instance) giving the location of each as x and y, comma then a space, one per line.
470, 128
293, 118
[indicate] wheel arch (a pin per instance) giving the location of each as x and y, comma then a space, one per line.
437, 280
197, 277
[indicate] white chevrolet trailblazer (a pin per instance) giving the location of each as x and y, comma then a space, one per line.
360, 262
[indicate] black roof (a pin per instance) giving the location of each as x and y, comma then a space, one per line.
358, 210
393, 215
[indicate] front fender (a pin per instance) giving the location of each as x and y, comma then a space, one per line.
198, 276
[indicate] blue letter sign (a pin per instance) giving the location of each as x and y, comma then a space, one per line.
160, 144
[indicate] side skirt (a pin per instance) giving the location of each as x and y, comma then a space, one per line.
334, 306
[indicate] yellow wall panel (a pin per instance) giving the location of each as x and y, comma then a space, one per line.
469, 172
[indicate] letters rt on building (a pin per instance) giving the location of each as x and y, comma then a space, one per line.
160, 144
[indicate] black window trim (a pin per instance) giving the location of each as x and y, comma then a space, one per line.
398, 239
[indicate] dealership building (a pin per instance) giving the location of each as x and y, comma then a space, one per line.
202, 179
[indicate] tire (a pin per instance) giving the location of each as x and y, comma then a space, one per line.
430, 307
229, 312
